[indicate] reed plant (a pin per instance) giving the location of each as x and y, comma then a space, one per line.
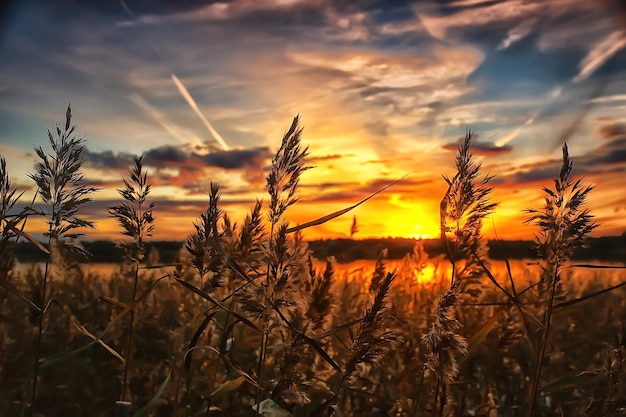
463, 208
9, 220
63, 191
564, 224
135, 216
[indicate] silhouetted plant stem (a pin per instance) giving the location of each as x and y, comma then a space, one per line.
40, 319
435, 400
442, 399
129, 340
542, 346
263, 349
419, 391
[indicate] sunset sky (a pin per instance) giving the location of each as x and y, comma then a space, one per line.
205, 89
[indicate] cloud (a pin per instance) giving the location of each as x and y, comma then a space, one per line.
176, 166
609, 155
163, 206
600, 53
607, 159
163, 155
251, 162
378, 127
323, 158
476, 14
235, 9
481, 148
237, 158
106, 160
612, 130
517, 33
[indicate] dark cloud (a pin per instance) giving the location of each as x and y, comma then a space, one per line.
606, 156
108, 160
323, 158
166, 207
166, 154
532, 176
613, 130
327, 185
189, 168
237, 158
481, 149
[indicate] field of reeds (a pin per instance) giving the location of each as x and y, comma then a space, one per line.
247, 323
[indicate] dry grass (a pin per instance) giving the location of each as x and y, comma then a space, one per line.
244, 324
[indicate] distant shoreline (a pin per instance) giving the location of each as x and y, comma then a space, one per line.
608, 248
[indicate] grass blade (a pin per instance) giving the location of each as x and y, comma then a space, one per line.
587, 297
84, 331
319, 335
341, 212
308, 340
217, 303
113, 302
28, 237
573, 381
116, 319
592, 266
229, 386
145, 410
226, 359
479, 337
194, 340
18, 294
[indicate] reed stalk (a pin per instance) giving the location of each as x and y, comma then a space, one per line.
62, 189
135, 217
564, 225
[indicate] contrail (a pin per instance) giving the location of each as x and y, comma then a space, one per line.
194, 107
162, 120
159, 118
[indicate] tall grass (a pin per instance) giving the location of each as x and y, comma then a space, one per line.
135, 217
10, 221
62, 190
247, 324
564, 225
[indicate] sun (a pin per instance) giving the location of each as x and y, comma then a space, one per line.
418, 236
406, 228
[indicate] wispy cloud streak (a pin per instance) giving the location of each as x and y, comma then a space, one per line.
601, 53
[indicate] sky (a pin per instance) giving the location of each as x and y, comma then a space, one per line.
205, 90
